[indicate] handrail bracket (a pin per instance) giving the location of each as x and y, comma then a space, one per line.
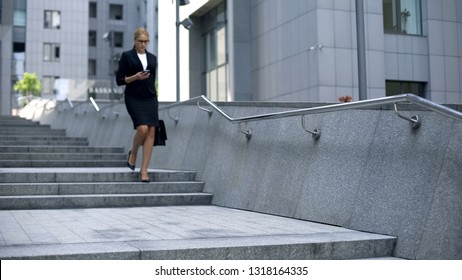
209, 111
175, 119
415, 120
247, 132
315, 133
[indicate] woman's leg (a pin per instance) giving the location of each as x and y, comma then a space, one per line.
147, 151
138, 140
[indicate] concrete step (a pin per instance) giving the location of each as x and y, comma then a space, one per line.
332, 246
95, 175
18, 189
65, 142
18, 126
26, 124
40, 138
102, 200
60, 149
23, 127
62, 163
15, 121
327, 246
48, 188
63, 156
179, 232
32, 131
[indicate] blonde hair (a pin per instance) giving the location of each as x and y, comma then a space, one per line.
140, 31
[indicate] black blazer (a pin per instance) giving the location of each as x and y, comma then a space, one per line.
130, 64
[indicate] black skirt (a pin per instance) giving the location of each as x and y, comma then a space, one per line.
143, 110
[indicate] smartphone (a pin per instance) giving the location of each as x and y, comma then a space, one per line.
146, 71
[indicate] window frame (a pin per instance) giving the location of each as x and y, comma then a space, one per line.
92, 67
92, 9
422, 87
54, 52
215, 62
113, 16
51, 24
397, 13
48, 83
92, 38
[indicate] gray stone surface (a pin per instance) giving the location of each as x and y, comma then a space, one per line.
443, 227
369, 170
179, 232
400, 178
69, 175
61, 188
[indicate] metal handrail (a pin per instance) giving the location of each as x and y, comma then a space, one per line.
415, 120
329, 108
411, 98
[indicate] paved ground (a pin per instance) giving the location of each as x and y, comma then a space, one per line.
38, 227
154, 232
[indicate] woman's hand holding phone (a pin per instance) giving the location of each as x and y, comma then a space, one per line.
143, 74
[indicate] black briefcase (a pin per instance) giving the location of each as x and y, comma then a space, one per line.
161, 134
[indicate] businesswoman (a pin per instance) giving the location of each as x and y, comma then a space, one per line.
137, 70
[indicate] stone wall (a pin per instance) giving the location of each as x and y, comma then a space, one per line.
369, 170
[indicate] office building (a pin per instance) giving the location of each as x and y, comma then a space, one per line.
256, 50
72, 46
306, 50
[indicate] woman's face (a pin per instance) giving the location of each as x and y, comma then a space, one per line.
141, 43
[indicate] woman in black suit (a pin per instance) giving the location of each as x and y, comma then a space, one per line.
137, 70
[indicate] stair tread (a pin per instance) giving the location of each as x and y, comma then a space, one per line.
106, 213
101, 195
188, 232
83, 170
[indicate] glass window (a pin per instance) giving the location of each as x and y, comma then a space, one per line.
221, 45
51, 52
116, 11
19, 18
52, 19
19, 47
48, 85
210, 51
93, 10
221, 83
92, 67
215, 61
118, 39
92, 38
401, 87
402, 16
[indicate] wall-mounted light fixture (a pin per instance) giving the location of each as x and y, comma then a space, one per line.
318, 47
187, 23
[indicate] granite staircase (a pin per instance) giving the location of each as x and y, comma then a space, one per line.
62, 199
42, 168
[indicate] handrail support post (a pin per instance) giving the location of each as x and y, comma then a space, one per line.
175, 119
209, 111
415, 120
247, 132
315, 133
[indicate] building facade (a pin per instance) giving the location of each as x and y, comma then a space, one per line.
306, 50
72, 46
239, 50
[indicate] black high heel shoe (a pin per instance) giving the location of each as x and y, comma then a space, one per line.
145, 180
132, 167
